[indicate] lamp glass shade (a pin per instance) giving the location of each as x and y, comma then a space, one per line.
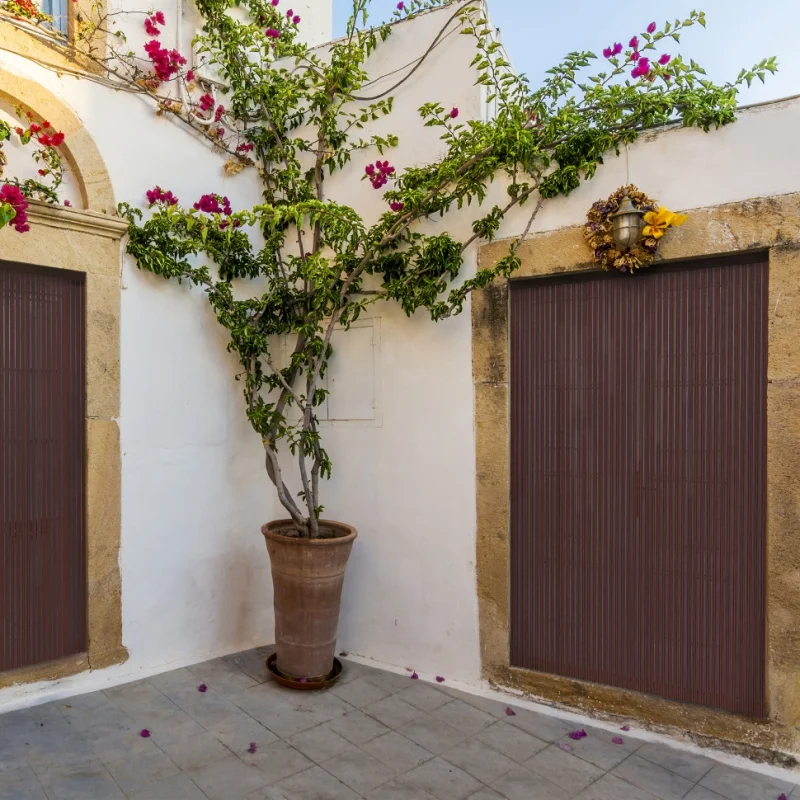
627, 224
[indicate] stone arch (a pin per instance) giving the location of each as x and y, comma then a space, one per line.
79, 149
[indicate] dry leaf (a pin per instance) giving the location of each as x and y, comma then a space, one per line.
233, 167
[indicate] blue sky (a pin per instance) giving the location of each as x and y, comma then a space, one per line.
738, 33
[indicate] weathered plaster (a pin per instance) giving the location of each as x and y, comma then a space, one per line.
771, 224
87, 242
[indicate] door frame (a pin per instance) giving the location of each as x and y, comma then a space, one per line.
772, 226
86, 240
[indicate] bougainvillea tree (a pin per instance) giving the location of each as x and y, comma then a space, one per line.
297, 115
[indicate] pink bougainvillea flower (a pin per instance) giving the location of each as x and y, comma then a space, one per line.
379, 173
414, 676
296, 19
190, 75
634, 43
644, 65
158, 195
271, 33
290, 13
453, 113
565, 746
150, 28
617, 740
782, 796
253, 747
206, 102
245, 147
625, 728
401, 6
213, 204
275, 2
144, 733
651, 28
13, 196
664, 60
202, 688
166, 63
218, 113
439, 679
635, 55
67, 203
396, 206
667, 77
607, 52
42, 171
51, 140
579, 734
510, 712
614, 50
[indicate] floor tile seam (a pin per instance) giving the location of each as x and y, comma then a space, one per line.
650, 761
624, 780
489, 785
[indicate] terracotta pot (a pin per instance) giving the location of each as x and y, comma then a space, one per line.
307, 575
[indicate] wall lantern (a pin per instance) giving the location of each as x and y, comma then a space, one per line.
627, 224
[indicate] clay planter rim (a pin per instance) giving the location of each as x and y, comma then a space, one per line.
271, 530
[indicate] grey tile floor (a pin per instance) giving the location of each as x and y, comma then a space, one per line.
374, 735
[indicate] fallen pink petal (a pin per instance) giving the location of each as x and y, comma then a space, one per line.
414, 676
253, 747
144, 733
510, 712
439, 679
579, 734
202, 688
625, 728
618, 740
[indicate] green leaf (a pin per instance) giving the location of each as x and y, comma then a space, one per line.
7, 213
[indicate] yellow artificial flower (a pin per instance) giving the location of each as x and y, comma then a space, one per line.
659, 221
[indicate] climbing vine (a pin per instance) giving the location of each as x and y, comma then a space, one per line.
297, 115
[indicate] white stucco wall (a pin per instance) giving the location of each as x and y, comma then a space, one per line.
194, 493
195, 573
408, 485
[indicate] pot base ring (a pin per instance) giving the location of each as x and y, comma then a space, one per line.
295, 683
